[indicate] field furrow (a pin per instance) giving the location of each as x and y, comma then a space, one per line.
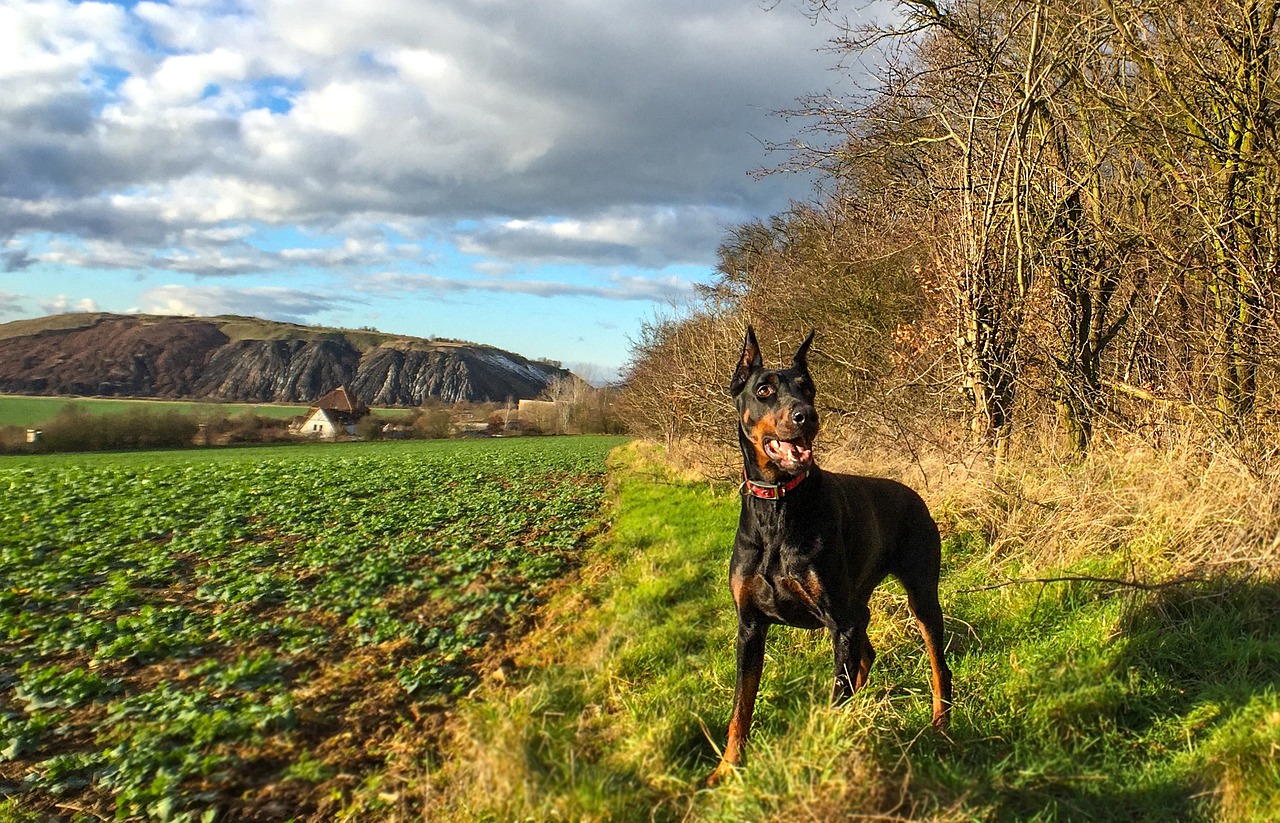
253, 633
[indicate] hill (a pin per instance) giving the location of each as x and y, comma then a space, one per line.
246, 359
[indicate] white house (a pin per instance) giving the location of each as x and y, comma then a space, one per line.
321, 424
333, 415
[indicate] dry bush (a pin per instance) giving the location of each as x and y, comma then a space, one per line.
76, 429
1178, 512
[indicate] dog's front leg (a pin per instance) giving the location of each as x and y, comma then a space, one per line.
846, 650
750, 660
851, 649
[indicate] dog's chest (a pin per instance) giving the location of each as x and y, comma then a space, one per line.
784, 586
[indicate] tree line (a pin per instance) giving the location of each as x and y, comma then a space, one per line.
1038, 213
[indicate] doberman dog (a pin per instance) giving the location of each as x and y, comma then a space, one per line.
812, 545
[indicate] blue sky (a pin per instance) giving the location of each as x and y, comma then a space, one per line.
543, 177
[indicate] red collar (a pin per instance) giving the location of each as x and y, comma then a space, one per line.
769, 491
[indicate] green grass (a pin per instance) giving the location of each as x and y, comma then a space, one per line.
188, 635
22, 410
1074, 701
236, 327
34, 325
253, 328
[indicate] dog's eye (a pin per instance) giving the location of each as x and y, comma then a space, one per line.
764, 391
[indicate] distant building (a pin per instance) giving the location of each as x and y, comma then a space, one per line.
333, 415
322, 425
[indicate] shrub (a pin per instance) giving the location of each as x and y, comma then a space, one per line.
75, 429
432, 423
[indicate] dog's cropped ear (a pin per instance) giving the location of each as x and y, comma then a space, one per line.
801, 359
749, 360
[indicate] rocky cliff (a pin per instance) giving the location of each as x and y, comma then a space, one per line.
248, 360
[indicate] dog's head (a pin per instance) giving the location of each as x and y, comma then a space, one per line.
777, 421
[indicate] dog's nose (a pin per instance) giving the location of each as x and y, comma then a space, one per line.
800, 416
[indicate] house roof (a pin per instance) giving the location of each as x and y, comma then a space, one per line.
340, 400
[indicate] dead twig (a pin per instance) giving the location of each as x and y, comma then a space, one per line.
1085, 578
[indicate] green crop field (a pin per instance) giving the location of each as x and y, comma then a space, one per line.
255, 634
22, 410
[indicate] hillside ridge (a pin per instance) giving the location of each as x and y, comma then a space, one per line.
247, 359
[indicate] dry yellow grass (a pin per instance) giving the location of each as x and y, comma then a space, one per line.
1179, 511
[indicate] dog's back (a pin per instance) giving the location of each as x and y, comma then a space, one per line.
904, 532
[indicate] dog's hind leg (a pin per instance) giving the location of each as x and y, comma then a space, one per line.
918, 568
928, 611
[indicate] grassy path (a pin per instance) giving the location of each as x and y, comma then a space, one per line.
1075, 700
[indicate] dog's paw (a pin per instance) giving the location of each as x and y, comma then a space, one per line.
725, 769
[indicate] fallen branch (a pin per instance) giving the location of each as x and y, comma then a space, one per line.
1084, 578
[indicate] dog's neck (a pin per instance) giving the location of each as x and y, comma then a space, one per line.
771, 491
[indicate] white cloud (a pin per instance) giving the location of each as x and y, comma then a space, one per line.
184, 79
590, 104
644, 237
206, 201
208, 260
217, 234
190, 136
63, 305
344, 108
288, 305
54, 43
615, 287
215, 252
99, 254
10, 303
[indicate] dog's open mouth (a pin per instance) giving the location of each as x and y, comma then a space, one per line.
789, 455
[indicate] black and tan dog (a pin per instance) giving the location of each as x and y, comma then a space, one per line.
812, 545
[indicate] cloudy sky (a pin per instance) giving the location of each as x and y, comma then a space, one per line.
542, 176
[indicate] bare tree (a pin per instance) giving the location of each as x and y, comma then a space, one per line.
1204, 105
1079, 204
